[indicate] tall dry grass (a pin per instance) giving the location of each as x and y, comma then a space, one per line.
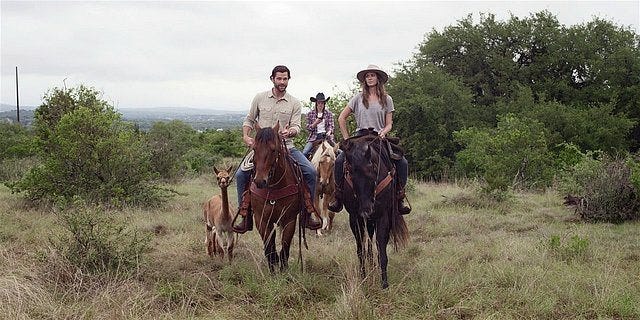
467, 258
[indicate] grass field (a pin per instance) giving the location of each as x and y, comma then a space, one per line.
467, 258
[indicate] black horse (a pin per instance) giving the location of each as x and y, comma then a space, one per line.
369, 197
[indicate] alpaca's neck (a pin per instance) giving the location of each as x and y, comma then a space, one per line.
225, 201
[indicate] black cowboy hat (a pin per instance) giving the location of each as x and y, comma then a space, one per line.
319, 97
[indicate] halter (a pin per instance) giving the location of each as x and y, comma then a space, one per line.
269, 193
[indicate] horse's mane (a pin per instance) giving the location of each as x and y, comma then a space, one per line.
373, 141
265, 134
319, 153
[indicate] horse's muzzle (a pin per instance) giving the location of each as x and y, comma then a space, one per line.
260, 183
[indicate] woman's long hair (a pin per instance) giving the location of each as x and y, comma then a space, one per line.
380, 91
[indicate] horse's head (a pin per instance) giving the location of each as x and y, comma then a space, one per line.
266, 155
365, 167
223, 176
324, 160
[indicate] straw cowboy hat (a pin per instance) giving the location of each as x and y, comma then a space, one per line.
319, 97
382, 76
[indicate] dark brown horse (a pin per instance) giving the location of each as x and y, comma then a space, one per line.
275, 194
369, 197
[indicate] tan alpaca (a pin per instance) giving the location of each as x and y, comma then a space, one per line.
219, 239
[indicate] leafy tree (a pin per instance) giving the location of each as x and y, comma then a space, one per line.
583, 66
589, 128
430, 106
87, 152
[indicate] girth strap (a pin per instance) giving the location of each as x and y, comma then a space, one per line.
271, 194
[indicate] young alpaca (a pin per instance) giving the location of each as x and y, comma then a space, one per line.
220, 238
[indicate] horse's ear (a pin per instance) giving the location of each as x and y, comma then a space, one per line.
368, 153
215, 170
277, 127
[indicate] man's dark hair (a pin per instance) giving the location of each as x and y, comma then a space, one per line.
280, 69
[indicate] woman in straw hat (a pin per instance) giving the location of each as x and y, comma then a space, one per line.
372, 108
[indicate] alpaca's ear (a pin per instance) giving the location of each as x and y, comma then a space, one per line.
215, 170
230, 168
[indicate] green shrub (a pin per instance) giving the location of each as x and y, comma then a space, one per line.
514, 155
607, 187
95, 242
88, 151
169, 142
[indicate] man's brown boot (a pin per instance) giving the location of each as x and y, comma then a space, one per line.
403, 208
306, 219
245, 215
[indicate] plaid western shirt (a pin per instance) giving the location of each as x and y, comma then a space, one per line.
328, 124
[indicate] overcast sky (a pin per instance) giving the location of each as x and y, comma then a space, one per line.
217, 55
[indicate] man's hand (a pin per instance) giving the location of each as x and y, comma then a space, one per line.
248, 141
286, 132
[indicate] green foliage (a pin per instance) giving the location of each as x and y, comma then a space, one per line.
515, 154
169, 142
430, 106
16, 141
87, 151
581, 67
95, 242
596, 127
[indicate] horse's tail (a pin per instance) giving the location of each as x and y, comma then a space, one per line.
399, 231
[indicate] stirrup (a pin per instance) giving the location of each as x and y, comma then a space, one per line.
245, 225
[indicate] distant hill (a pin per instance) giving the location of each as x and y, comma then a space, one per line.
9, 107
173, 111
199, 119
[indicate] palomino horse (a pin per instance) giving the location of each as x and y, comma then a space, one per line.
276, 194
323, 160
369, 197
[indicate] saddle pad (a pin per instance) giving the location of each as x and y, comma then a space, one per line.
247, 162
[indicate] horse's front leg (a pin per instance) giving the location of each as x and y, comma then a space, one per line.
268, 235
287, 236
382, 239
357, 228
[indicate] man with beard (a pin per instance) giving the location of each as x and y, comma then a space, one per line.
267, 109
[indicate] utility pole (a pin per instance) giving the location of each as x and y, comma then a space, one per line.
17, 98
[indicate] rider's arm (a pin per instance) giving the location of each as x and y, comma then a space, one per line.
342, 121
388, 124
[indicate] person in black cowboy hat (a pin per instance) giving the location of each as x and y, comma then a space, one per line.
372, 108
319, 123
